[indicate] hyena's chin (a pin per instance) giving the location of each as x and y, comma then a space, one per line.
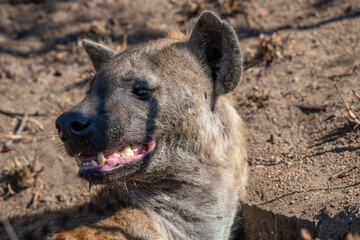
126, 160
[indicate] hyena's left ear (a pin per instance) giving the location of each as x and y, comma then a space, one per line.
98, 53
218, 46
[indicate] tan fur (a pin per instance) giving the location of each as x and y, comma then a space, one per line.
121, 225
176, 34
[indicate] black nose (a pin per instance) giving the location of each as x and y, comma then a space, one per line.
73, 125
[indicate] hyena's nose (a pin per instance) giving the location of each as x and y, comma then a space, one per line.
73, 125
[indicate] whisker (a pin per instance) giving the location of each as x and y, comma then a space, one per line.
57, 147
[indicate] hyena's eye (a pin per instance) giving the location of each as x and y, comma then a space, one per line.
143, 92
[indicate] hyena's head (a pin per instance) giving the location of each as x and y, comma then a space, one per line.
146, 107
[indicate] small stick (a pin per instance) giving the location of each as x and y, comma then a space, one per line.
14, 137
34, 200
11, 191
356, 95
18, 130
12, 114
22, 124
252, 64
16, 162
5, 149
9, 229
342, 97
352, 117
345, 173
36, 122
36, 174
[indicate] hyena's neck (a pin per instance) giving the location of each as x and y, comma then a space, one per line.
187, 211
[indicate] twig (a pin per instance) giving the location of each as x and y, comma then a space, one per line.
14, 137
37, 123
10, 190
34, 200
22, 124
356, 95
16, 162
36, 173
311, 109
252, 63
18, 129
6, 147
9, 229
345, 173
12, 114
343, 99
352, 116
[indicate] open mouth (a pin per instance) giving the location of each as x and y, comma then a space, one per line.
109, 160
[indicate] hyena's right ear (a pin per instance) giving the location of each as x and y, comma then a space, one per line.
98, 53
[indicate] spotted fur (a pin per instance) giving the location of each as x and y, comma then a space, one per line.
191, 185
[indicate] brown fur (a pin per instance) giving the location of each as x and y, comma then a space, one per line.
191, 185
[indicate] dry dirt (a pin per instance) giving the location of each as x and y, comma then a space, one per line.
300, 138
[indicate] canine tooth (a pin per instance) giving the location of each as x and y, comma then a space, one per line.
78, 160
127, 152
136, 147
101, 158
94, 163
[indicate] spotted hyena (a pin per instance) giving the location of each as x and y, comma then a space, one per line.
156, 127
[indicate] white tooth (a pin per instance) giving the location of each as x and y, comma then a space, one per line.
101, 158
127, 152
86, 163
116, 154
94, 163
136, 147
78, 160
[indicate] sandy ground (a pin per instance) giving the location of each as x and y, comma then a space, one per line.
300, 138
